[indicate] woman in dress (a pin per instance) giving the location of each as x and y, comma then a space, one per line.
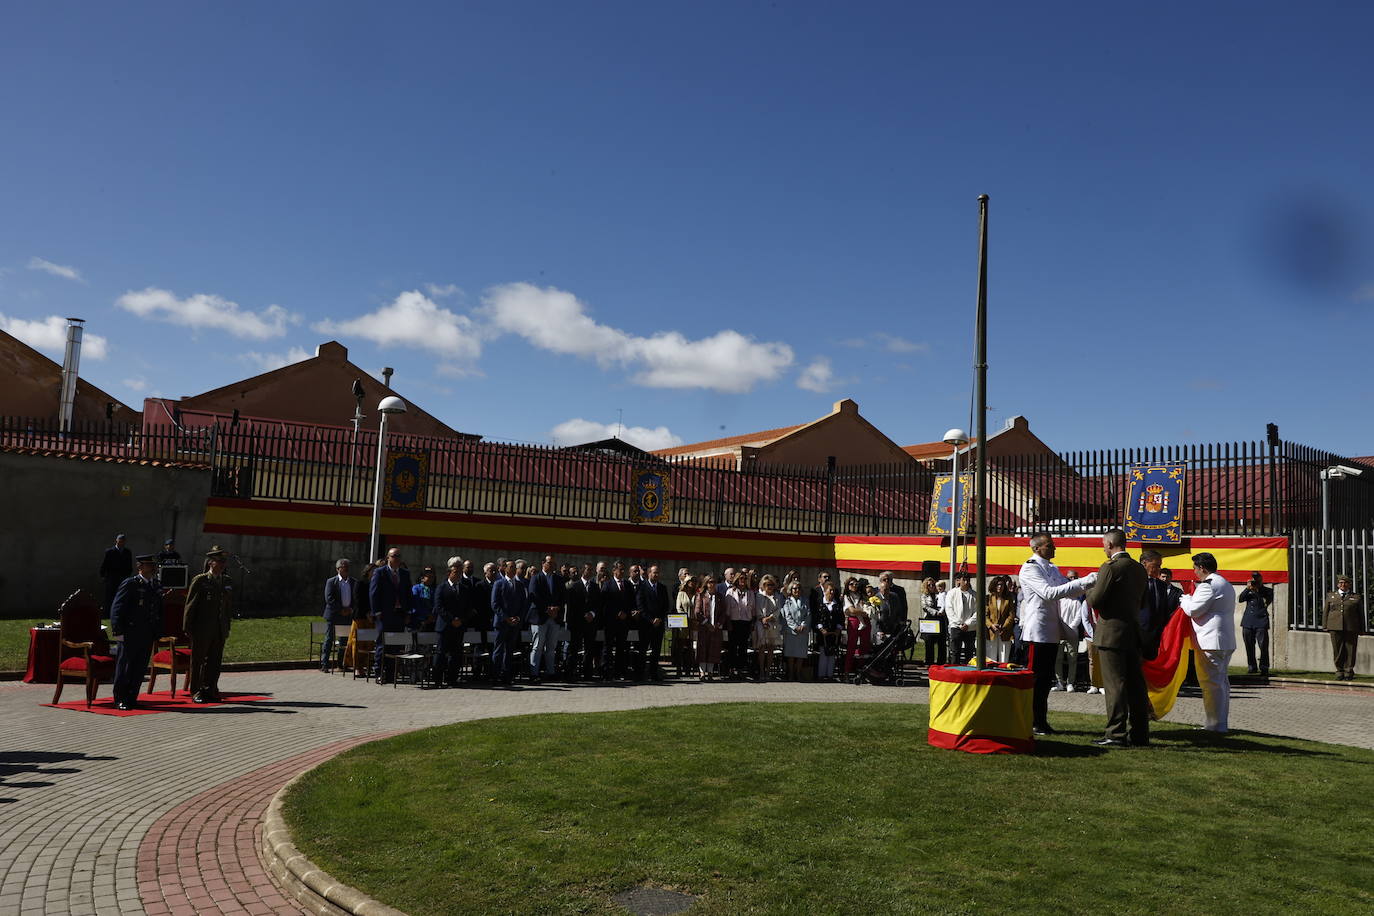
708, 609
683, 654
742, 608
767, 626
1001, 619
796, 630
828, 623
857, 624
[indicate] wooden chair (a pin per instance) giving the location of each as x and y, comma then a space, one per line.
171, 653
83, 651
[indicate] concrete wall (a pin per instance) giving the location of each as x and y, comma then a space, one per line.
60, 515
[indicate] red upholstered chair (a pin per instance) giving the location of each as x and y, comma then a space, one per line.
83, 652
171, 653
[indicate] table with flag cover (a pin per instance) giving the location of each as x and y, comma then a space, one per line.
985, 711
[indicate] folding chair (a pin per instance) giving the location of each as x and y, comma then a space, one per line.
396, 647
341, 632
427, 648
319, 629
364, 645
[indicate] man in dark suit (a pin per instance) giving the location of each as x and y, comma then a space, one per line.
206, 621
617, 603
136, 615
115, 567
389, 596
584, 599
1161, 600
1117, 597
548, 604
340, 600
655, 604
453, 614
509, 604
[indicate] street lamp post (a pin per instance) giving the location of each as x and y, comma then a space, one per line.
957, 438
386, 408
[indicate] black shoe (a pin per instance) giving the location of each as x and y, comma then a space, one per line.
535, 682
200, 698
124, 707
1110, 742
1041, 730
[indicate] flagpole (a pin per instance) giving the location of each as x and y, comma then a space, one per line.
981, 483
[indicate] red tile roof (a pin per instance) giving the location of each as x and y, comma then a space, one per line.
759, 438
931, 449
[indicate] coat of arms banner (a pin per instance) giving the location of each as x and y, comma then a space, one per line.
407, 479
942, 515
1154, 503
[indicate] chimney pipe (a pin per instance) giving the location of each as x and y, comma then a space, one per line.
71, 363
386, 376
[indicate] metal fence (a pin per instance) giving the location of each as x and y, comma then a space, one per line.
1240, 488
1315, 558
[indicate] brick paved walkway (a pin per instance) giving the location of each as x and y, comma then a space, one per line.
157, 814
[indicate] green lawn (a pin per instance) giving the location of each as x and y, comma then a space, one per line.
821, 808
275, 639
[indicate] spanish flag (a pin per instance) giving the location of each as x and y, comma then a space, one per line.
1165, 673
981, 712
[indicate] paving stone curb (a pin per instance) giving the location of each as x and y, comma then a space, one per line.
312, 887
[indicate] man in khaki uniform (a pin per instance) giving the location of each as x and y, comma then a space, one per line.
207, 618
1116, 597
1345, 622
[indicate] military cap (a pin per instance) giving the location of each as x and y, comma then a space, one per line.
145, 558
215, 553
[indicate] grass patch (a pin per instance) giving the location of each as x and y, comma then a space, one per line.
826, 808
253, 639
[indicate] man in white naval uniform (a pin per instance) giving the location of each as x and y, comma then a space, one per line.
1042, 585
1212, 608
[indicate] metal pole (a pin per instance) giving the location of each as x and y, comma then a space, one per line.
981, 483
1326, 501
377, 489
953, 521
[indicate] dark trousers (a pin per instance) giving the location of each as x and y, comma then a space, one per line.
1256, 637
111, 588
448, 660
738, 655
936, 651
206, 657
650, 651
504, 654
327, 647
583, 652
130, 667
1128, 702
961, 645
616, 650
1343, 645
1043, 655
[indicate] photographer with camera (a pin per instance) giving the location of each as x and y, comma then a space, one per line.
1254, 623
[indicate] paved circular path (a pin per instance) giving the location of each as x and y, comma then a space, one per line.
158, 814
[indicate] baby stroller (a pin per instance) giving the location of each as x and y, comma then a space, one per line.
887, 664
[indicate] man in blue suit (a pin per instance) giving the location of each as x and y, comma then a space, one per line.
509, 605
136, 615
548, 603
389, 598
340, 598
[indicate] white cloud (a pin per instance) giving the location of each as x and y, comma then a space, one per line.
443, 290
57, 270
266, 362
578, 431
819, 376
204, 311
415, 320
886, 342
136, 385
558, 322
50, 335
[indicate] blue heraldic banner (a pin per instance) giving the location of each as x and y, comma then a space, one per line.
652, 496
1154, 503
407, 479
942, 515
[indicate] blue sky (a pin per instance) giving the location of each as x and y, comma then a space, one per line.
714, 217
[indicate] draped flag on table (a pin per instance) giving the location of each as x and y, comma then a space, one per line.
942, 504
985, 711
652, 496
1164, 674
407, 479
1154, 503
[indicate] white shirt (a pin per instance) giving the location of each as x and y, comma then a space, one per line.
345, 592
1212, 607
961, 607
1042, 585
1075, 613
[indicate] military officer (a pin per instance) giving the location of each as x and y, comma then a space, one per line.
207, 624
1345, 622
136, 615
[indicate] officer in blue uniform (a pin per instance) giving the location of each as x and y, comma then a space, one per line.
136, 615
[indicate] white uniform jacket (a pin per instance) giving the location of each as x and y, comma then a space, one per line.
1212, 607
1042, 585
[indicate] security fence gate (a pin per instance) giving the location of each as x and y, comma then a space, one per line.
1315, 558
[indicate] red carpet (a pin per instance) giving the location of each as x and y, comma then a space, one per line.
162, 701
